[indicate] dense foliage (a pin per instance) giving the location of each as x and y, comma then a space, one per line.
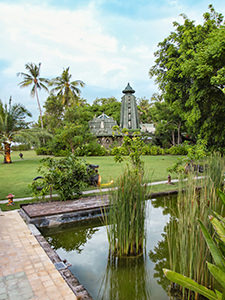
189, 70
67, 176
12, 126
215, 243
190, 106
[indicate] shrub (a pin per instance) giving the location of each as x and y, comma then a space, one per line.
95, 149
145, 150
119, 150
179, 150
43, 151
156, 150
91, 149
62, 152
67, 176
23, 147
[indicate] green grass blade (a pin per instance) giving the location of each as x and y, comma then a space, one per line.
219, 228
220, 296
216, 254
219, 217
217, 273
221, 195
190, 284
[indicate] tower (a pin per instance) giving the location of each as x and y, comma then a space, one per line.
129, 115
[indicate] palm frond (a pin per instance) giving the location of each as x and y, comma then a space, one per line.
32, 92
43, 86
25, 83
69, 91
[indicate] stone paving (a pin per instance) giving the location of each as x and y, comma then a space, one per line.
26, 272
62, 207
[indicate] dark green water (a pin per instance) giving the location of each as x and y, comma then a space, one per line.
85, 247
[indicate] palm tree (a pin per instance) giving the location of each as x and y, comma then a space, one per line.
12, 124
33, 78
69, 91
14, 128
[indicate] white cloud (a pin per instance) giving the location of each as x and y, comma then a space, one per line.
61, 38
104, 50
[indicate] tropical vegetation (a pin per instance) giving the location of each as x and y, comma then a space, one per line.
189, 71
33, 78
13, 126
215, 243
184, 235
126, 218
67, 89
67, 176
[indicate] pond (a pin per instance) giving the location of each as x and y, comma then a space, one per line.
85, 247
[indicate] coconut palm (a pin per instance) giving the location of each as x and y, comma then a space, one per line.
11, 123
65, 88
33, 78
14, 128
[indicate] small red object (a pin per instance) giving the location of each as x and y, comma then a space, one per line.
10, 199
10, 196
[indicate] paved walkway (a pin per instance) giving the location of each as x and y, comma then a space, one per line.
26, 271
96, 191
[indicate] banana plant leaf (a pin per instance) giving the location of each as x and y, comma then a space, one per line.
191, 284
216, 253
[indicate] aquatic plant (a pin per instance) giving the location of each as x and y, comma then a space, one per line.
185, 238
217, 251
126, 219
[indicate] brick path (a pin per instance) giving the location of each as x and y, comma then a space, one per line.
26, 271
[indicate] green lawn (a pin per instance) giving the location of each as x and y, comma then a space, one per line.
153, 189
15, 177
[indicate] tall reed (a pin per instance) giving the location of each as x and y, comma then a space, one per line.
126, 232
187, 248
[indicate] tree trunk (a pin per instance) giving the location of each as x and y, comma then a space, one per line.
178, 133
7, 154
173, 138
39, 106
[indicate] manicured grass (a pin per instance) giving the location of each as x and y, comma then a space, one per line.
155, 167
153, 189
15, 177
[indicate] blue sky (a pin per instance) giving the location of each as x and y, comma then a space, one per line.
106, 43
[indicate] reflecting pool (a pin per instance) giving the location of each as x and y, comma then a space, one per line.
85, 247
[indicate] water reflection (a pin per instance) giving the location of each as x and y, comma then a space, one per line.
161, 255
125, 278
86, 248
68, 238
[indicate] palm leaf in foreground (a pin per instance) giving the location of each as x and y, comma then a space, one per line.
192, 285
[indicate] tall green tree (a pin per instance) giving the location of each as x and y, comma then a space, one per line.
168, 122
189, 70
32, 78
143, 110
110, 106
67, 89
73, 130
12, 125
53, 114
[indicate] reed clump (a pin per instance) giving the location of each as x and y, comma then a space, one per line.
126, 218
187, 247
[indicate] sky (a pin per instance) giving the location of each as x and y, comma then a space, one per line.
106, 43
